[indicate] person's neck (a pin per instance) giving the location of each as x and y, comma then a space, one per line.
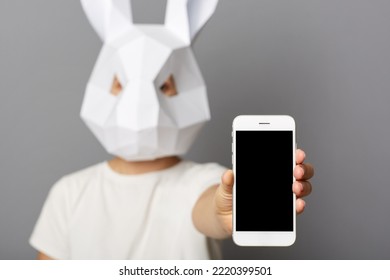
139, 167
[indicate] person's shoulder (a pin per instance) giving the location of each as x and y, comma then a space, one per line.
199, 176
202, 171
209, 166
76, 180
84, 173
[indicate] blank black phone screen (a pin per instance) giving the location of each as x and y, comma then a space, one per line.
264, 177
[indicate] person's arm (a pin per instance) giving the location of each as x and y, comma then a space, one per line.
42, 256
210, 219
212, 213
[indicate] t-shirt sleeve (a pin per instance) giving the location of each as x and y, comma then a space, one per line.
208, 175
50, 233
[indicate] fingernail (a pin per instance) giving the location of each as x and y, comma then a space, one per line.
301, 187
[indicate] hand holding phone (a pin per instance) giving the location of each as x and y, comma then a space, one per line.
264, 214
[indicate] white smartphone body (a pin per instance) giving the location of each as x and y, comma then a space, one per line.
263, 164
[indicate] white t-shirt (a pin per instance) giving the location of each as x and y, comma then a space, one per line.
97, 213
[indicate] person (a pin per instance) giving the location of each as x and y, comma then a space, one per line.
145, 102
154, 209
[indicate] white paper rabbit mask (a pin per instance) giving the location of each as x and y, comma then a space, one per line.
124, 105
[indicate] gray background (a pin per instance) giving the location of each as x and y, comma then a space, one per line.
326, 63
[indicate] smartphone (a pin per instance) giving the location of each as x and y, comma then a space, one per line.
263, 164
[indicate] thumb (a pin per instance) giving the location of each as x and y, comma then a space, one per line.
227, 181
223, 197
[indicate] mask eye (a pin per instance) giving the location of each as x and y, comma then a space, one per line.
168, 88
116, 87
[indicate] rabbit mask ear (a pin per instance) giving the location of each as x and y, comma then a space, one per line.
187, 17
109, 18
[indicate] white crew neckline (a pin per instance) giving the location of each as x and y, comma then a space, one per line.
152, 174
